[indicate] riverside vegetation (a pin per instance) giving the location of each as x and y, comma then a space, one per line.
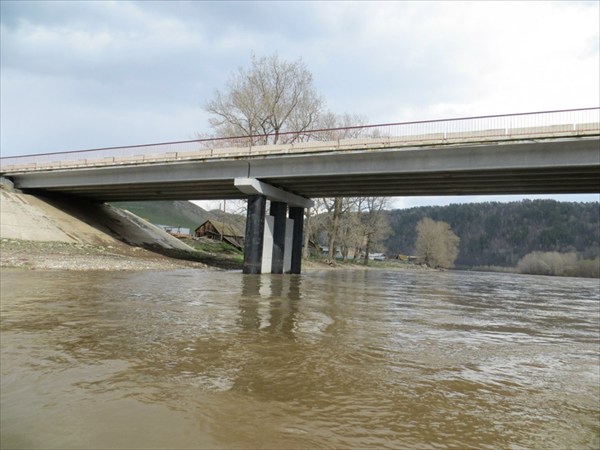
536, 237
559, 264
542, 237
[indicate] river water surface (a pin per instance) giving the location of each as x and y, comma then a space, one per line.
334, 359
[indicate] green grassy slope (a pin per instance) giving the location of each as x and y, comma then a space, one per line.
168, 212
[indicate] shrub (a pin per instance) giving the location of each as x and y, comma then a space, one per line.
559, 264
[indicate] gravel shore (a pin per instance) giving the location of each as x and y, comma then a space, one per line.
67, 256
34, 255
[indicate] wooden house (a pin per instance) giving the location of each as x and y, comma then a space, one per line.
221, 231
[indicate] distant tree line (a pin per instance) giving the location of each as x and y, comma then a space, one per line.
501, 234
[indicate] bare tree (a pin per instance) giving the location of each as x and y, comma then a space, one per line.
436, 244
350, 233
375, 223
271, 97
308, 232
327, 223
335, 210
349, 224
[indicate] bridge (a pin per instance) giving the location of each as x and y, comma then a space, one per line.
530, 153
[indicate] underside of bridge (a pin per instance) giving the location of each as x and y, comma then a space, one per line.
490, 182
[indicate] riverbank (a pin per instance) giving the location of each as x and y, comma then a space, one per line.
36, 255
68, 234
65, 234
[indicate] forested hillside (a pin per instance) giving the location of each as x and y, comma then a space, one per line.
500, 234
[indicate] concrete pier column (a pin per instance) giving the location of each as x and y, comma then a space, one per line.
297, 215
255, 226
267, 256
286, 257
279, 213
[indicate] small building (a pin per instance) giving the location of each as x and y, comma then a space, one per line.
221, 231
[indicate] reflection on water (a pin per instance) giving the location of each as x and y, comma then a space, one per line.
359, 359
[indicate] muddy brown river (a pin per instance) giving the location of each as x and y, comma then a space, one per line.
332, 359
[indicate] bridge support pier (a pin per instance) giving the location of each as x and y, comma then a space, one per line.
297, 216
273, 243
255, 229
278, 211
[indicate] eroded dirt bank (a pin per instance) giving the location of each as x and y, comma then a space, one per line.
67, 256
40, 233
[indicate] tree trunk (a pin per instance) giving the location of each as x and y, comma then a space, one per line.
307, 232
337, 212
367, 250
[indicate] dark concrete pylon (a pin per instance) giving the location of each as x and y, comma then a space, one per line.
281, 252
255, 228
297, 215
278, 211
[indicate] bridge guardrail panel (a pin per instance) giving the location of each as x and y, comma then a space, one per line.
375, 142
416, 139
314, 146
270, 149
231, 151
582, 128
200, 154
547, 130
494, 132
125, 159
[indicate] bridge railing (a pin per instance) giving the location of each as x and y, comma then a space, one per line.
545, 124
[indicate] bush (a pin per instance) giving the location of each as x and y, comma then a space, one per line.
559, 264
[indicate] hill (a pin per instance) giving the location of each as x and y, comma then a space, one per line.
500, 234
168, 212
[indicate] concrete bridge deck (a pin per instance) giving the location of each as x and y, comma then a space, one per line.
559, 158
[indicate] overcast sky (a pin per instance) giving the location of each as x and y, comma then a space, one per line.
79, 75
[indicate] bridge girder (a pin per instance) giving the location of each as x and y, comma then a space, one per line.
549, 166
